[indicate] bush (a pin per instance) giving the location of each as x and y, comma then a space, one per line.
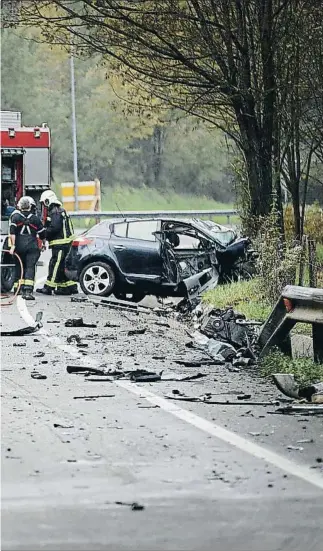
304, 369
313, 224
244, 296
278, 259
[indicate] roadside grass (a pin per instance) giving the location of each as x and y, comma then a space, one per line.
304, 369
320, 253
144, 198
243, 296
123, 198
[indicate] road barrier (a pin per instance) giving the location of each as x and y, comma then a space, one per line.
88, 196
296, 304
154, 214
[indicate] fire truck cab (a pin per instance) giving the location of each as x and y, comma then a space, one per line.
25, 170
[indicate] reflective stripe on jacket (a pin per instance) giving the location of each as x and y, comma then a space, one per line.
59, 227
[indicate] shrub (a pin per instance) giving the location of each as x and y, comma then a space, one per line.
313, 224
278, 259
304, 369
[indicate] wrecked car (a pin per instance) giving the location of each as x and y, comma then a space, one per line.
161, 257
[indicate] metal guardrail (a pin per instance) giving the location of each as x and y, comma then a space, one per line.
154, 214
296, 304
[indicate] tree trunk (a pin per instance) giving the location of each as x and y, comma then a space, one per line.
157, 154
259, 172
297, 215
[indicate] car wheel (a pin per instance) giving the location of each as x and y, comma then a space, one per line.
97, 278
8, 274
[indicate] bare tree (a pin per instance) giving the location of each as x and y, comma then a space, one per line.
301, 91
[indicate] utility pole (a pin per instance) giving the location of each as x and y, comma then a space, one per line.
74, 131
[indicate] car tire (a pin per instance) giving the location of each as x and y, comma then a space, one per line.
97, 278
8, 275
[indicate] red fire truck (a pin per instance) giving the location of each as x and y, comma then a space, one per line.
25, 170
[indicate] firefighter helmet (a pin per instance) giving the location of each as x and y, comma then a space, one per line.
24, 203
32, 201
48, 197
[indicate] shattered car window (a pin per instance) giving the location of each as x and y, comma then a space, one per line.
142, 229
120, 230
222, 234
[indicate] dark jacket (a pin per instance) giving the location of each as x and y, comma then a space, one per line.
59, 227
26, 226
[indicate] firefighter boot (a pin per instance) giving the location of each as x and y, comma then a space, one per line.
45, 291
70, 290
27, 293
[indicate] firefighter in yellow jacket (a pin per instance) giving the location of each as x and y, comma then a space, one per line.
59, 234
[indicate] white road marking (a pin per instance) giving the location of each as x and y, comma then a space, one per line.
290, 467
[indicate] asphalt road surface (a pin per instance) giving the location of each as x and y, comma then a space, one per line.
209, 477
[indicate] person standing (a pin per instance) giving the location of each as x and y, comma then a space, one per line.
59, 234
24, 228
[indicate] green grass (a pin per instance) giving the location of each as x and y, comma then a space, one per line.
243, 296
304, 369
143, 199
320, 252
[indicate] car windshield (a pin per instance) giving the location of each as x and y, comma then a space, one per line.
225, 236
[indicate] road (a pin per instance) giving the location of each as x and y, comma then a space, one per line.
210, 477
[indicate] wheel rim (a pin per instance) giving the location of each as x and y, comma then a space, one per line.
96, 280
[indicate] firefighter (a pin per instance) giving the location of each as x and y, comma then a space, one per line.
59, 234
24, 227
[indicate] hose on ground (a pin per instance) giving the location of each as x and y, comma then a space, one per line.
14, 296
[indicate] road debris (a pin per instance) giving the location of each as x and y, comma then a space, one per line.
77, 341
37, 375
286, 383
19, 344
25, 330
206, 399
39, 355
244, 397
295, 448
78, 322
58, 426
140, 331
87, 369
143, 376
133, 506
304, 409
93, 397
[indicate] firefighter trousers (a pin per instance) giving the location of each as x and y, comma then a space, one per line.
56, 278
29, 259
